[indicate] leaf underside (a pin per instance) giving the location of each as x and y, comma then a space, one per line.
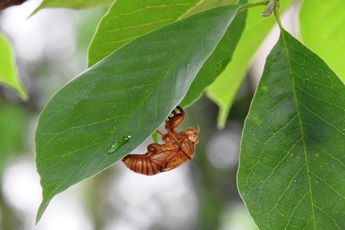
129, 93
292, 164
125, 21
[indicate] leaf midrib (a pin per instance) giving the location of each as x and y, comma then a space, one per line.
298, 107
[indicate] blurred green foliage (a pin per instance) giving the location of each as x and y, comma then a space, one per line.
14, 121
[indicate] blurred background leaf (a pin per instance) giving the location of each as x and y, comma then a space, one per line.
293, 143
322, 30
13, 128
8, 73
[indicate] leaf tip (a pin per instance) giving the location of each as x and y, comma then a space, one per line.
41, 210
222, 116
22, 93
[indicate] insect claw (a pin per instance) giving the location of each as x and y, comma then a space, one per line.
181, 110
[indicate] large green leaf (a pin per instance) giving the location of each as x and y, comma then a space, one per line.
129, 93
8, 73
225, 88
127, 20
322, 29
292, 164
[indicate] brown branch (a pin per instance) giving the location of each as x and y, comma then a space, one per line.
7, 3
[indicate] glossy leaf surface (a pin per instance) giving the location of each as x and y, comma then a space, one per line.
292, 164
129, 93
8, 73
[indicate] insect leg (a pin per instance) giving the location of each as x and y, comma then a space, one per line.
175, 139
173, 122
159, 133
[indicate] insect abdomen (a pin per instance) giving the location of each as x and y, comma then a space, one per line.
141, 164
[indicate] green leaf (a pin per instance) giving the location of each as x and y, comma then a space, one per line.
292, 165
322, 29
217, 62
75, 4
225, 88
129, 93
127, 20
8, 73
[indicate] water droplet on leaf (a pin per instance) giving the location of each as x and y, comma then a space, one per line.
118, 144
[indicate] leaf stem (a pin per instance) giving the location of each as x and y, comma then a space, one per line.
271, 5
250, 5
276, 14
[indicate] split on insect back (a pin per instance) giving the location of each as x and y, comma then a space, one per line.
176, 149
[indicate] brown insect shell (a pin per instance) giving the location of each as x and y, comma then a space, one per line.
189, 139
166, 156
177, 148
